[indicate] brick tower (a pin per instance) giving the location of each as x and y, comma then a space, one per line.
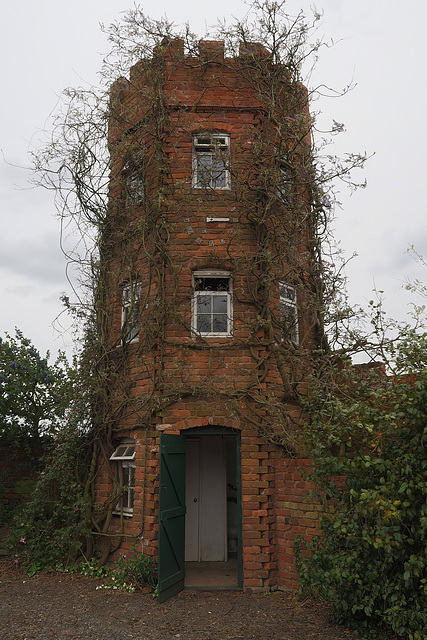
206, 311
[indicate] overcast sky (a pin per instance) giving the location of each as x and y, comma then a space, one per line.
49, 45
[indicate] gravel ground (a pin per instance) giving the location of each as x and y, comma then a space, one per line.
61, 606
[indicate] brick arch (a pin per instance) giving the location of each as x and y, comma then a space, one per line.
219, 421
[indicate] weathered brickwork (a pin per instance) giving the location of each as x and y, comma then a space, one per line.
208, 375
276, 509
297, 516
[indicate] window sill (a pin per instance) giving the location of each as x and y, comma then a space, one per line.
198, 334
127, 343
220, 338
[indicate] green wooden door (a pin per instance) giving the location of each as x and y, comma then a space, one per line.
171, 516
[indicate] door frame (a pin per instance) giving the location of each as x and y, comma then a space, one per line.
171, 575
228, 431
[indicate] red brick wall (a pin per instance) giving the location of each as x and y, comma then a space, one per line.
276, 508
297, 515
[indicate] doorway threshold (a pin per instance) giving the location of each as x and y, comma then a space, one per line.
211, 575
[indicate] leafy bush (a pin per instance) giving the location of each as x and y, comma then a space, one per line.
128, 574
137, 571
51, 527
371, 560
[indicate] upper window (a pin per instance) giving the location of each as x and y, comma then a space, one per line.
288, 313
211, 156
134, 180
130, 311
284, 178
212, 303
124, 455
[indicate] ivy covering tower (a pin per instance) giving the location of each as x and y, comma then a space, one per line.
203, 206
209, 298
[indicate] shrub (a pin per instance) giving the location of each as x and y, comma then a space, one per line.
130, 574
371, 560
51, 527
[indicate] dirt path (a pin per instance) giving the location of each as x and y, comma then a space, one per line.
58, 606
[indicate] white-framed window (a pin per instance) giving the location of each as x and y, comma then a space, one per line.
211, 161
134, 179
288, 313
212, 305
124, 456
131, 295
284, 178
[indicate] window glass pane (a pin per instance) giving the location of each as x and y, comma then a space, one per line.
130, 311
131, 323
220, 284
287, 292
218, 173
129, 484
284, 180
199, 284
220, 304
204, 304
125, 494
288, 316
204, 169
219, 324
288, 313
131, 476
124, 451
204, 323
130, 499
135, 188
212, 284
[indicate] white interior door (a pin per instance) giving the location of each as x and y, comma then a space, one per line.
213, 517
192, 493
206, 500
